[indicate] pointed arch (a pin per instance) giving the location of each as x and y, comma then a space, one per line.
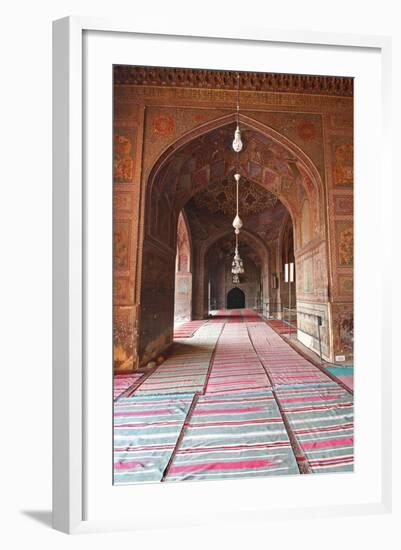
189, 165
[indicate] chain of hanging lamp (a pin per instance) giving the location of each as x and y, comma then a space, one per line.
237, 266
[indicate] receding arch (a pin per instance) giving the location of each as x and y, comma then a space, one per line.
225, 120
256, 261
200, 297
235, 298
309, 176
183, 272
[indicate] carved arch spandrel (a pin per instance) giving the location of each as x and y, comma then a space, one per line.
166, 171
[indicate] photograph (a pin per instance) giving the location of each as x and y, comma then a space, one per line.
201, 262
232, 274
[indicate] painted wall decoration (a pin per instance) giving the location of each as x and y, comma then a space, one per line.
123, 169
343, 171
307, 130
343, 205
121, 240
345, 242
163, 125
346, 284
343, 330
308, 275
121, 289
122, 201
305, 223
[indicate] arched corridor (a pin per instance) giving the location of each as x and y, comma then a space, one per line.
233, 350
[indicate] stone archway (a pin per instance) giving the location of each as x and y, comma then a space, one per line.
183, 272
235, 298
255, 284
191, 164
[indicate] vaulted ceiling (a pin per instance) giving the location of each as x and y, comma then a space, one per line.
220, 198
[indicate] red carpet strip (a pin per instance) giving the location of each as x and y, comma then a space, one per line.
235, 316
250, 315
186, 370
187, 330
236, 366
122, 382
283, 364
281, 327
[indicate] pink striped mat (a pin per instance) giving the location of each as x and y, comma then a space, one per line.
236, 366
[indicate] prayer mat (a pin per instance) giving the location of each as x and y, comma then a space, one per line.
187, 369
122, 382
146, 430
281, 327
321, 418
282, 363
235, 364
232, 436
187, 330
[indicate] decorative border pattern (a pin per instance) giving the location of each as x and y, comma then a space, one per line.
227, 80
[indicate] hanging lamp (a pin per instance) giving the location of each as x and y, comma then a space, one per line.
237, 143
237, 266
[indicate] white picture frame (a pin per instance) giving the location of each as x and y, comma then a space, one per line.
71, 257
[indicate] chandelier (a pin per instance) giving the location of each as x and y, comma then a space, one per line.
237, 266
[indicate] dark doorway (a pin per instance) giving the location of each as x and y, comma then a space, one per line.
235, 299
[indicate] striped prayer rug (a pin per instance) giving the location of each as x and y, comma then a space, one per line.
232, 436
250, 316
235, 364
122, 382
187, 330
283, 364
146, 430
281, 327
321, 418
227, 316
186, 370
235, 316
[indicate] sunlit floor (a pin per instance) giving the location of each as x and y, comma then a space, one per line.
233, 399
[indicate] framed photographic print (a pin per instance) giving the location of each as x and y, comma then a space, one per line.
215, 303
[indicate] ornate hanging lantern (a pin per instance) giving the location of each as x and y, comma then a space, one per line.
237, 223
237, 266
237, 143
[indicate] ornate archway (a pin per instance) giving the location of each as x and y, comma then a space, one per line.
192, 163
255, 282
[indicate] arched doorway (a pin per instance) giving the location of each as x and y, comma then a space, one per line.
235, 299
